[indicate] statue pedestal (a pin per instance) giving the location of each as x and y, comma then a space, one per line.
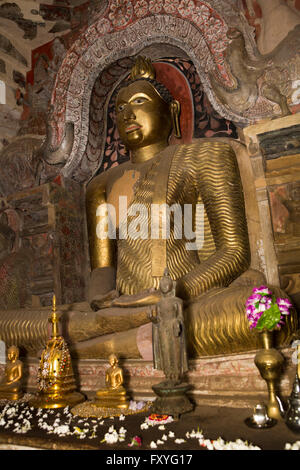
52, 401
231, 380
171, 400
11, 395
109, 402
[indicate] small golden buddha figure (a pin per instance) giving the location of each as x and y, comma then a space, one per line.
114, 394
55, 376
10, 386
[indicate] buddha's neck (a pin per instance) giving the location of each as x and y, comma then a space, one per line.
143, 154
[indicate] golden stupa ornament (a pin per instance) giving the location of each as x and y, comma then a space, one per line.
56, 381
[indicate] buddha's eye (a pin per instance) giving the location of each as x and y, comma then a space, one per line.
139, 100
121, 107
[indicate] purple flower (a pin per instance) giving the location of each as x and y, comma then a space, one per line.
253, 299
262, 301
283, 303
262, 290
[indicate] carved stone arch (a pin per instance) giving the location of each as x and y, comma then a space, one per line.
103, 44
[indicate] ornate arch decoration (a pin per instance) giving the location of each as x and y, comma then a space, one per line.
126, 28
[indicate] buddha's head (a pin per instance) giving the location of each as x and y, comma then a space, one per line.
13, 353
146, 111
166, 284
112, 359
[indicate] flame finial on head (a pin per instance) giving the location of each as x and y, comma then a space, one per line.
142, 68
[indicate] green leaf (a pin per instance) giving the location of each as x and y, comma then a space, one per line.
269, 318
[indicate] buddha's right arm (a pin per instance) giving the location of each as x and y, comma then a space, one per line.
101, 249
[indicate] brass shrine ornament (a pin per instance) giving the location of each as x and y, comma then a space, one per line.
56, 381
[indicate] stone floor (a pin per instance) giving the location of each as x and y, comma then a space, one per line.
214, 422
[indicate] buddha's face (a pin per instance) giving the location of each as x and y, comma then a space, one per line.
112, 360
166, 285
143, 117
12, 354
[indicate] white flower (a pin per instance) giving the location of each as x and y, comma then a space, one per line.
140, 405
164, 437
62, 430
144, 426
122, 430
179, 441
11, 412
132, 405
121, 417
111, 429
111, 437
161, 427
159, 442
295, 446
153, 445
209, 445
2, 422
171, 434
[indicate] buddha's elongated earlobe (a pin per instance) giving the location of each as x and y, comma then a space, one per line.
175, 112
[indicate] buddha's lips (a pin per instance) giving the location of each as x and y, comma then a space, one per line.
132, 127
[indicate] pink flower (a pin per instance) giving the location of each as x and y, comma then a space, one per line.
136, 441
253, 299
262, 301
262, 290
285, 303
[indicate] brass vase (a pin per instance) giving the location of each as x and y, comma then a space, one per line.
269, 363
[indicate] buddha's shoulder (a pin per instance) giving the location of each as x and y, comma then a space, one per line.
205, 144
204, 151
101, 180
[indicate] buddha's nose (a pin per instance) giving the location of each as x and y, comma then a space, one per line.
128, 113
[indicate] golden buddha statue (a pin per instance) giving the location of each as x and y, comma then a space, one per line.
212, 274
11, 386
114, 394
55, 377
213, 280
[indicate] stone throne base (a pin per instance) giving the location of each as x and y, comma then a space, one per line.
231, 380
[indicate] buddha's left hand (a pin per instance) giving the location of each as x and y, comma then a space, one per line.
147, 297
